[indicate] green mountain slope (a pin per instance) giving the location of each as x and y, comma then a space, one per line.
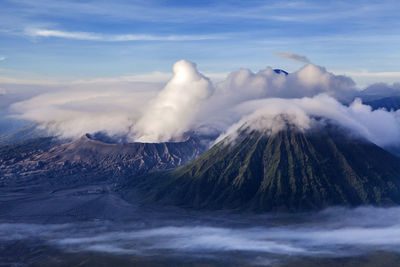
289, 171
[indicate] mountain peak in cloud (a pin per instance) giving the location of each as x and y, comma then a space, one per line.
378, 126
289, 170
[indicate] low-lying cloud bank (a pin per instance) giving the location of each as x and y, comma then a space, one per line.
191, 102
71, 114
334, 232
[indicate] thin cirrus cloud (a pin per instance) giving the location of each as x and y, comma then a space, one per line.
292, 56
2, 58
91, 36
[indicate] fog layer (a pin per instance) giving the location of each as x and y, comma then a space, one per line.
331, 233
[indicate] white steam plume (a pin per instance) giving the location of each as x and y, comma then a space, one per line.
175, 107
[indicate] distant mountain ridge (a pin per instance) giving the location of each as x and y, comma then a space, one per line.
290, 171
389, 103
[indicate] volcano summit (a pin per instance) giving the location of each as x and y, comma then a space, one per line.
289, 170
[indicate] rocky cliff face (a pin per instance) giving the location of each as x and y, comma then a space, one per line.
290, 171
88, 159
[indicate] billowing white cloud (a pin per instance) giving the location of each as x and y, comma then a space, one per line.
292, 56
191, 102
379, 126
308, 81
244, 85
172, 112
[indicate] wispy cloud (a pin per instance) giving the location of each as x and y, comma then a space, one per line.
90, 36
292, 56
2, 58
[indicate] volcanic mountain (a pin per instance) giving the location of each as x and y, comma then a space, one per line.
87, 159
290, 170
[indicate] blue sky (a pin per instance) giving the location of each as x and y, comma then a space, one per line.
70, 40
